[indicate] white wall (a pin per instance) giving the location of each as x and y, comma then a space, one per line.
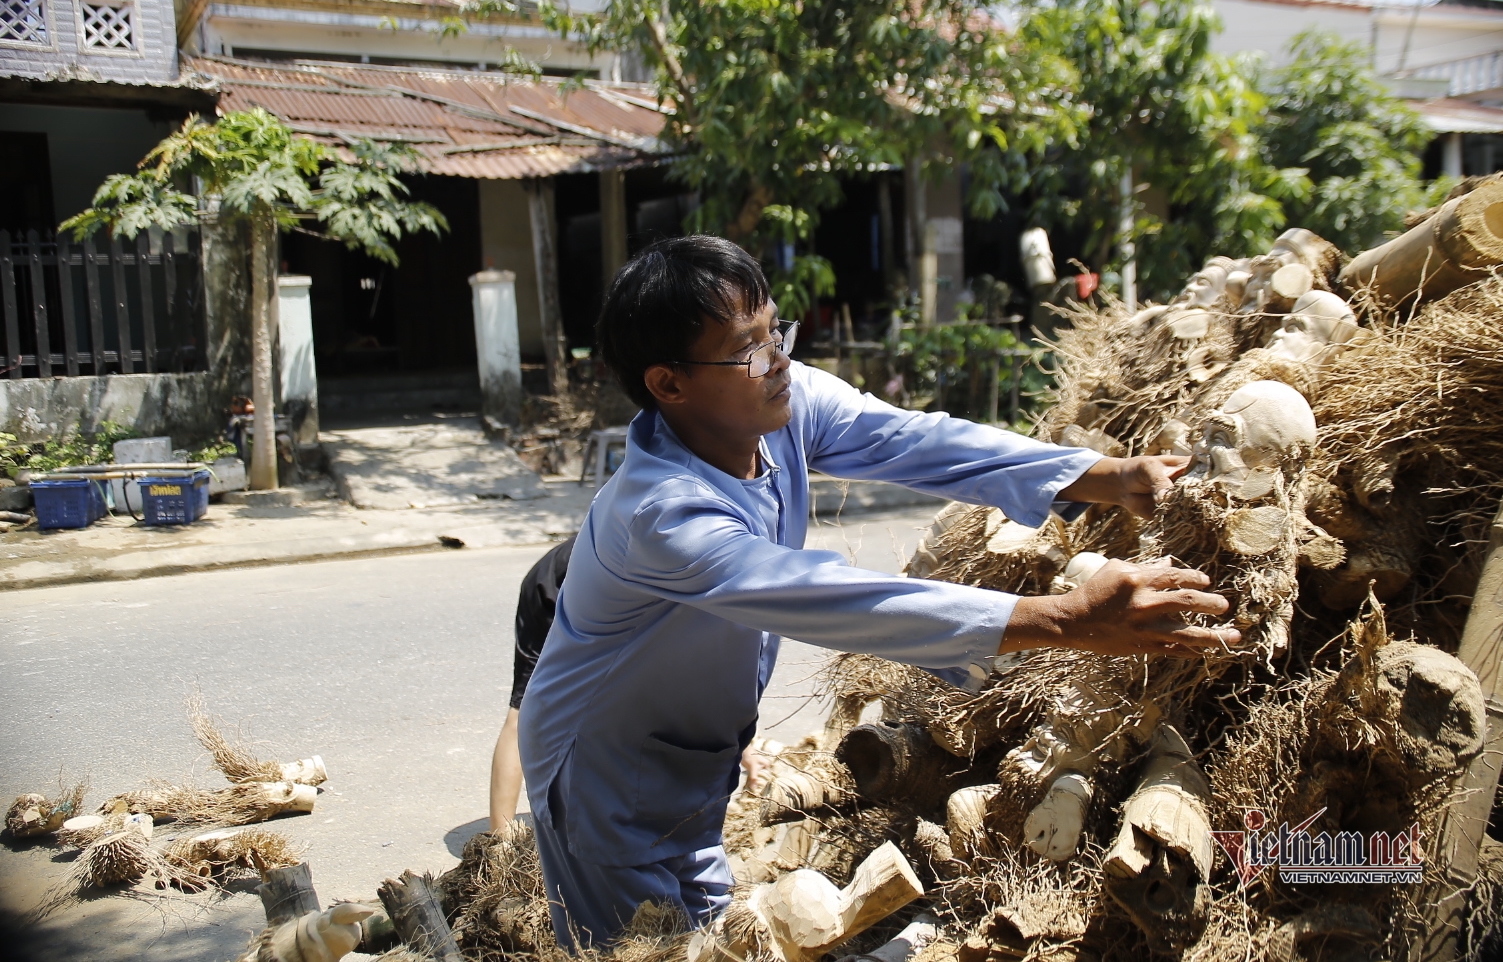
228, 26
152, 57
1253, 25
85, 145
1439, 35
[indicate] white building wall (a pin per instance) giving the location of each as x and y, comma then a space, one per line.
128, 41
1438, 35
229, 29
1258, 25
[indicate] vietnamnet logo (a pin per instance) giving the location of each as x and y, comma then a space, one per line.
1346, 857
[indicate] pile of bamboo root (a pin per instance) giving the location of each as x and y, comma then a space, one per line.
1344, 420
119, 845
1344, 424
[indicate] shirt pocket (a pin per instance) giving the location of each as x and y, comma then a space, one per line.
682, 792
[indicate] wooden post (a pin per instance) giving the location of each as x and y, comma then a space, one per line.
884, 228
148, 313
612, 224
1464, 825
1129, 249
287, 893
917, 215
39, 304
96, 310
65, 304
263, 466
415, 911
122, 305
545, 257
8, 305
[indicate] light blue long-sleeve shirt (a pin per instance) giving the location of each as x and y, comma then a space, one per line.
683, 578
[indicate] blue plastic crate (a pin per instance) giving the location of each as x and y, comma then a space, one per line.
67, 502
174, 500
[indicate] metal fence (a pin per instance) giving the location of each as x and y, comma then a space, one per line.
101, 306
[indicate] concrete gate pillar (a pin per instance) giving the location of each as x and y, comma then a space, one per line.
299, 376
497, 350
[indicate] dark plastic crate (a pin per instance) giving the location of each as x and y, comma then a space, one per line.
67, 502
174, 500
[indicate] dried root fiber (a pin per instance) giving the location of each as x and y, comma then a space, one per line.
237, 763
236, 805
32, 815
216, 853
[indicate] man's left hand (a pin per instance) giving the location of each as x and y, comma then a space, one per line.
1137, 484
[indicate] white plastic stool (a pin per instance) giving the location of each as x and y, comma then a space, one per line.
601, 441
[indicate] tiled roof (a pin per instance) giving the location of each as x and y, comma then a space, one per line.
464, 123
1448, 116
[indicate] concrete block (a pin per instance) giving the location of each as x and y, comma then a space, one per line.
228, 474
16, 498
143, 451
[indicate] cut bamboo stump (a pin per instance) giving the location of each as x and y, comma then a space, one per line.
796, 795
317, 936
1161, 861
287, 893
1454, 247
418, 916
806, 916
900, 764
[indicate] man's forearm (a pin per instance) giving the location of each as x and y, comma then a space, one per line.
1100, 484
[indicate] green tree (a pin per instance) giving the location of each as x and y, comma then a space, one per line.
776, 101
253, 167
1358, 144
1161, 104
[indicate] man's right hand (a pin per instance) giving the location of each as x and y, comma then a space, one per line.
1125, 609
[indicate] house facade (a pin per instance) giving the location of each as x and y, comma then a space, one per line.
1445, 58
534, 178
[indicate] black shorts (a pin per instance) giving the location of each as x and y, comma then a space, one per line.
536, 604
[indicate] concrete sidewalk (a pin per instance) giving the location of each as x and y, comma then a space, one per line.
263, 532
235, 535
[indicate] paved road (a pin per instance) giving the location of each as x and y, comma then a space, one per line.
395, 669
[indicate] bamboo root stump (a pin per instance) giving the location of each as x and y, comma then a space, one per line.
31, 815
318, 936
796, 794
307, 771
803, 915
900, 764
1161, 861
413, 906
287, 893
903, 946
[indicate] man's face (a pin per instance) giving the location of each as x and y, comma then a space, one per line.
724, 398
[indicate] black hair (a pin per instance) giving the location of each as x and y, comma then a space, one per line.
657, 304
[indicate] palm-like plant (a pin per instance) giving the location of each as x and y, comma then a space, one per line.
254, 167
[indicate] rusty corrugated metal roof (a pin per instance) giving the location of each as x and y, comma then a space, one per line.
463, 123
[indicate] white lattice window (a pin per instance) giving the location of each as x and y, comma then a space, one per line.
108, 26
23, 21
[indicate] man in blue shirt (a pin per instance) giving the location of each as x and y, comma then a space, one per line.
689, 567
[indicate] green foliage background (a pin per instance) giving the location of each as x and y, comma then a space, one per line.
777, 101
255, 167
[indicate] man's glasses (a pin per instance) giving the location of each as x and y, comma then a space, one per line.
762, 356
